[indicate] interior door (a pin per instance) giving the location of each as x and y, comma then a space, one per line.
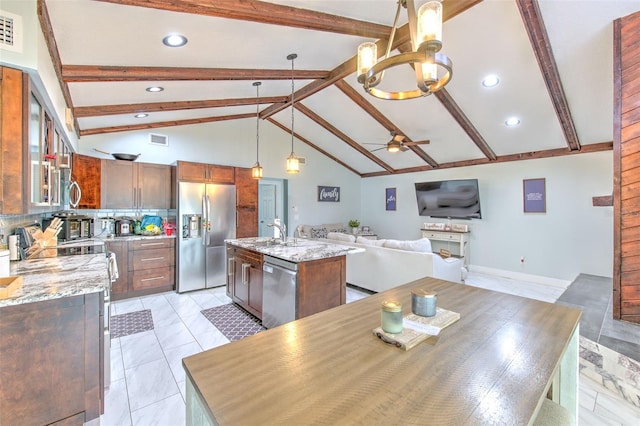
266, 208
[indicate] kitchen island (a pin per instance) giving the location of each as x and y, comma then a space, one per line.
496, 365
52, 340
281, 281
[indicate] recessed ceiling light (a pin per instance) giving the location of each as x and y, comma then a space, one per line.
512, 121
142, 115
490, 81
174, 40
154, 89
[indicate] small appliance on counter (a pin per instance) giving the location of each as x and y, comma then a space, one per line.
125, 226
74, 226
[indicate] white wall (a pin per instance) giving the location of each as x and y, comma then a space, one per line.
572, 237
233, 143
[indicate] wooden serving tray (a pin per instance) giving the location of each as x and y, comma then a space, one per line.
410, 337
9, 285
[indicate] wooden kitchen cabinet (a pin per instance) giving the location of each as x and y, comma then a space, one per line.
145, 266
52, 361
244, 285
30, 141
246, 204
131, 185
86, 172
11, 141
205, 173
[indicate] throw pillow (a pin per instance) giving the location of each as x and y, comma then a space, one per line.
334, 227
341, 237
421, 245
394, 244
319, 232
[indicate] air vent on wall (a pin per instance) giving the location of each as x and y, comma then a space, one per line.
160, 140
10, 32
302, 160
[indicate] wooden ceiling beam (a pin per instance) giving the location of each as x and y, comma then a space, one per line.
100, 110
337, 133
360, 100
267, 13
534, 24
314, 146
456, 112
52, 46
101, 73
146, 126
558, 152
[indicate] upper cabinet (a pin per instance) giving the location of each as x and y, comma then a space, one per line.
207, 173
86, 172
34, 150
131, 185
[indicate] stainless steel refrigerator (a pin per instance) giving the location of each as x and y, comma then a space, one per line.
207, 216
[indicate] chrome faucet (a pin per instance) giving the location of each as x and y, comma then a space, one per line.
283, 230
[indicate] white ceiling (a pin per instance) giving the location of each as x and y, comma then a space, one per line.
489, 37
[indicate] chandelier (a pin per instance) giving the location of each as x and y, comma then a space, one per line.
256, 170
293, 164
425, 30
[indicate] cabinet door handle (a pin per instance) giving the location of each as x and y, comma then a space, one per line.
151, 279
151, 244
140, 198
245, 273
230, 271
149, 259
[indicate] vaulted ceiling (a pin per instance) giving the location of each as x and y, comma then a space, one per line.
553, 59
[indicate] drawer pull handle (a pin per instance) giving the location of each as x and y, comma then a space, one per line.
152, 279
151, 244
149, 259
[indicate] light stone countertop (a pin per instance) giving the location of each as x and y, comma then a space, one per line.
295, 250
57, 277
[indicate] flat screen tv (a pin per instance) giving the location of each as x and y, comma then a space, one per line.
455, 199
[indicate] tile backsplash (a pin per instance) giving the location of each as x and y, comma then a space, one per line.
8, 223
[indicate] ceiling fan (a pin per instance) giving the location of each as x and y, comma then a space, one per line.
396, 143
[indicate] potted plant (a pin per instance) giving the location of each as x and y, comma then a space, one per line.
354, 223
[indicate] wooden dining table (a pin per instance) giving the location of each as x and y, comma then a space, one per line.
496, 365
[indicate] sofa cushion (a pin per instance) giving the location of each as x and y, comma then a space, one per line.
320, 232
370, 242
338, 236
306, 230
421, 245
334, 227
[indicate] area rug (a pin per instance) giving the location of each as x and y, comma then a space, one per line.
131, 323
234, 322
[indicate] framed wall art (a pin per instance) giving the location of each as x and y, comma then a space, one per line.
534, 195
390, 198
329, 193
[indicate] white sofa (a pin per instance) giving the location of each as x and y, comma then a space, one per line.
380, 268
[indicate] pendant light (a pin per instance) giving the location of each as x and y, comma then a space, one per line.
293, 164
256, 170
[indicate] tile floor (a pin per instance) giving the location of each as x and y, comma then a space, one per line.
148, 382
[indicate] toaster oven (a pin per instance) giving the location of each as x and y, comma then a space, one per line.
73, 227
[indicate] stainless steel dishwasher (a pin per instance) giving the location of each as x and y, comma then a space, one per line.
279, 291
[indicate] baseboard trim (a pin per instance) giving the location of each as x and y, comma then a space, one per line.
539, 279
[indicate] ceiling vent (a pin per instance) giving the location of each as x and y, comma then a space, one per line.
159, 140
10, 32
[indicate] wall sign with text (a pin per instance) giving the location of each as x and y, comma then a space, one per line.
329, 193
390, 198
534, 195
